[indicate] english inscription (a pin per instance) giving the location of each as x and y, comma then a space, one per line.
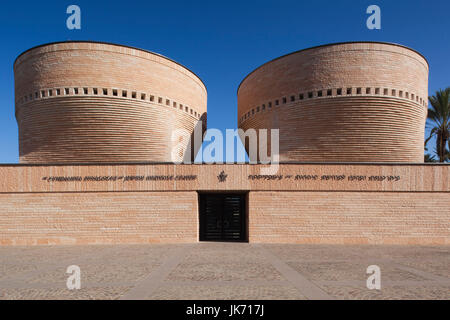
121, 178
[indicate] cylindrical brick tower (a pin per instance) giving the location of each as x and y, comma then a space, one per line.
344, 102
83, 102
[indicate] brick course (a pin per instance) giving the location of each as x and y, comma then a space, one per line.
353, 102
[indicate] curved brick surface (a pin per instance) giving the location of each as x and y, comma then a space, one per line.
353, 102
98, 102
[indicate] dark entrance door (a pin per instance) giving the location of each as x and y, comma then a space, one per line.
222, 217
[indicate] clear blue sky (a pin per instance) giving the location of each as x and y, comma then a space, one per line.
221, 41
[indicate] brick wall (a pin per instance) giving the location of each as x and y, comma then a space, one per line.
289, 177
274, 217
411, 209
98, 218
351, 102
98, 102
350, 217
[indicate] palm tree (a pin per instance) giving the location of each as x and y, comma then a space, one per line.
439, 119
429, 158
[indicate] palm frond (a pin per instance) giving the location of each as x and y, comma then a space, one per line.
439, 116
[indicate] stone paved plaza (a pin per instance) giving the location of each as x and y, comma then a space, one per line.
225, 271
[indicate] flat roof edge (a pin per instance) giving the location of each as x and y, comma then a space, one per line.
222, 164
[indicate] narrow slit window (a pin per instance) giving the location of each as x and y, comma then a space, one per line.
114, 92
377, 90
301, 97
143, 96
42, 94
105, 92
124, 93
385, 92
349, 90
329, 92
367, 90
167, 102
95, 90
319, 93
58, 92
393, 93
86, 91
50, 93
358, 90
152, 98
284, 100
133, 95
339, 92
292, 98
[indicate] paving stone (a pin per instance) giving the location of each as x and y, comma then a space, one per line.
224, 271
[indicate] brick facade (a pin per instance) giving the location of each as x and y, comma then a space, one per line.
98, 102
98, 218
315, 203
112, 109
349, 102
350, 217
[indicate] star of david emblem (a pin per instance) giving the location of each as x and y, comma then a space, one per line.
222, 176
